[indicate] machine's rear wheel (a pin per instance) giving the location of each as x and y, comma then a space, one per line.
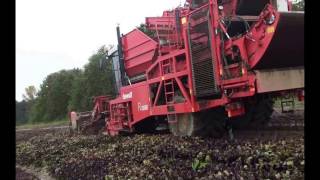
263, 112
210, 123
257, 114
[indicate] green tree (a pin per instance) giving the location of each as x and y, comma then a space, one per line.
21, 112
23, 108
54, 95
95, 80
73, 90
30, 94
143, 27
78, 101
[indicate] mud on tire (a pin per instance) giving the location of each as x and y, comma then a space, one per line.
208, 123
257, 114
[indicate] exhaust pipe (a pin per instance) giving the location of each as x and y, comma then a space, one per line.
121, 60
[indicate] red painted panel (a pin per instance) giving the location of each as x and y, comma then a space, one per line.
138, 94
138, 50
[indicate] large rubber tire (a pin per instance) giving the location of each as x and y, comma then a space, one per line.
209, 123
146, 126
263, 112
184, 125
257, 114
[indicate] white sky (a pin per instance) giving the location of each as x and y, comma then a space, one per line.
62, 34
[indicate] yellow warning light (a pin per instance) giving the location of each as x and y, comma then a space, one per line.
270, 29
184, 20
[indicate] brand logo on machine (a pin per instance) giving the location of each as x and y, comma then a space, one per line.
127, 96
143, 107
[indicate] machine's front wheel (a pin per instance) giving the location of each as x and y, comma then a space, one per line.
211, 123
181, 124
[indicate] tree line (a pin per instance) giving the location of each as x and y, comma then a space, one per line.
67, 90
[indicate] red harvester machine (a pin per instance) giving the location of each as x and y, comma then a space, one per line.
207, 64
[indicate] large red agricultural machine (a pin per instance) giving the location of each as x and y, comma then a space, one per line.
200, 67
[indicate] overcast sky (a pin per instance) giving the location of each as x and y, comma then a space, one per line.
62, 34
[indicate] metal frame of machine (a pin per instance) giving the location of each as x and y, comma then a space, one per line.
192, 63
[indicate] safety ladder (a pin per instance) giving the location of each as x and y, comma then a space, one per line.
167, 66
169, 95
169, 91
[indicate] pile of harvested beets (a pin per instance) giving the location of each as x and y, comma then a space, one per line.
164, 157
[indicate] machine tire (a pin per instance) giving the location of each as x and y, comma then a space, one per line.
146, 126
257, 114
263, 112
209, 123
184, 125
